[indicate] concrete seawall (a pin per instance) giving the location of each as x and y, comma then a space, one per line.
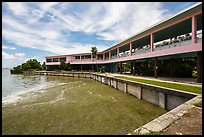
176, 101
163, 97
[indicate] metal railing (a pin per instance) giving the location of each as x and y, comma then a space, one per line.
199, 37
114, 57
124, 55
179, 42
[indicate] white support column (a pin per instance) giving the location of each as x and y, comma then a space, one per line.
103, 56
194, 29
152, 41
118, 51
80, 57
91, 57
130, 48
109, 55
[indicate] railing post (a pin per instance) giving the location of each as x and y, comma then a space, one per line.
194, 29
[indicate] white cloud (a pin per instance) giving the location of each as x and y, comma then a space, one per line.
6, 47
7, 56
18, 8
20, 54
108, 21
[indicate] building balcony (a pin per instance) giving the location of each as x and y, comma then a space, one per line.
52, 63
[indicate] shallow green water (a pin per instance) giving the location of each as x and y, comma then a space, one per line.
77, 106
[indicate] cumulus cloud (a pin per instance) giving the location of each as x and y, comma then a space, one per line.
7, 56
6, 47
43, 25
20, 54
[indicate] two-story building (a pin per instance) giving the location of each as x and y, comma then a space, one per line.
176, 37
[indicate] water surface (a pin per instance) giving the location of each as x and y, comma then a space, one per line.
76, 106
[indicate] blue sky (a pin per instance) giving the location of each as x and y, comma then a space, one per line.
39, 29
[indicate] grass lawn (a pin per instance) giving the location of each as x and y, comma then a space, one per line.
193, 89
199, 104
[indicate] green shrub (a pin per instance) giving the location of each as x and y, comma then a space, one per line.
102, 69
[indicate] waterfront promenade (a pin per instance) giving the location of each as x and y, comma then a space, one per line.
186, 81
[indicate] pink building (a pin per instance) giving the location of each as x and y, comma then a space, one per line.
176, 37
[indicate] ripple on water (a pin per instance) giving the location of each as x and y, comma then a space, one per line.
20, 95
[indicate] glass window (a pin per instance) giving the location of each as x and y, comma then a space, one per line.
63, 59
77, 57
55, 59
48, 60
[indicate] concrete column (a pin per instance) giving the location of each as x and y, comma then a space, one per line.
134, 67
125, 87
103, 56
91, 57
80, 57
118, 51
109, 55
162, 100
130, 48
194, 29
152, 41
155, 68
81, 67
199, 67
121, 66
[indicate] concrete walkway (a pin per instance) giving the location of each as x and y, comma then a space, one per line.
189, 124
183, 81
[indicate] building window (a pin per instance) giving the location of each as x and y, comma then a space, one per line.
63, 59
48, 60
77, 57
55, 59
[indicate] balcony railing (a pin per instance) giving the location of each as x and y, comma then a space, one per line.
199, 37
124, 55
141, 51
180, 41
114, 57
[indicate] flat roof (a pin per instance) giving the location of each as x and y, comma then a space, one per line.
196, 5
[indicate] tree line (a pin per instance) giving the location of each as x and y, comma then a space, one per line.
29, 65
